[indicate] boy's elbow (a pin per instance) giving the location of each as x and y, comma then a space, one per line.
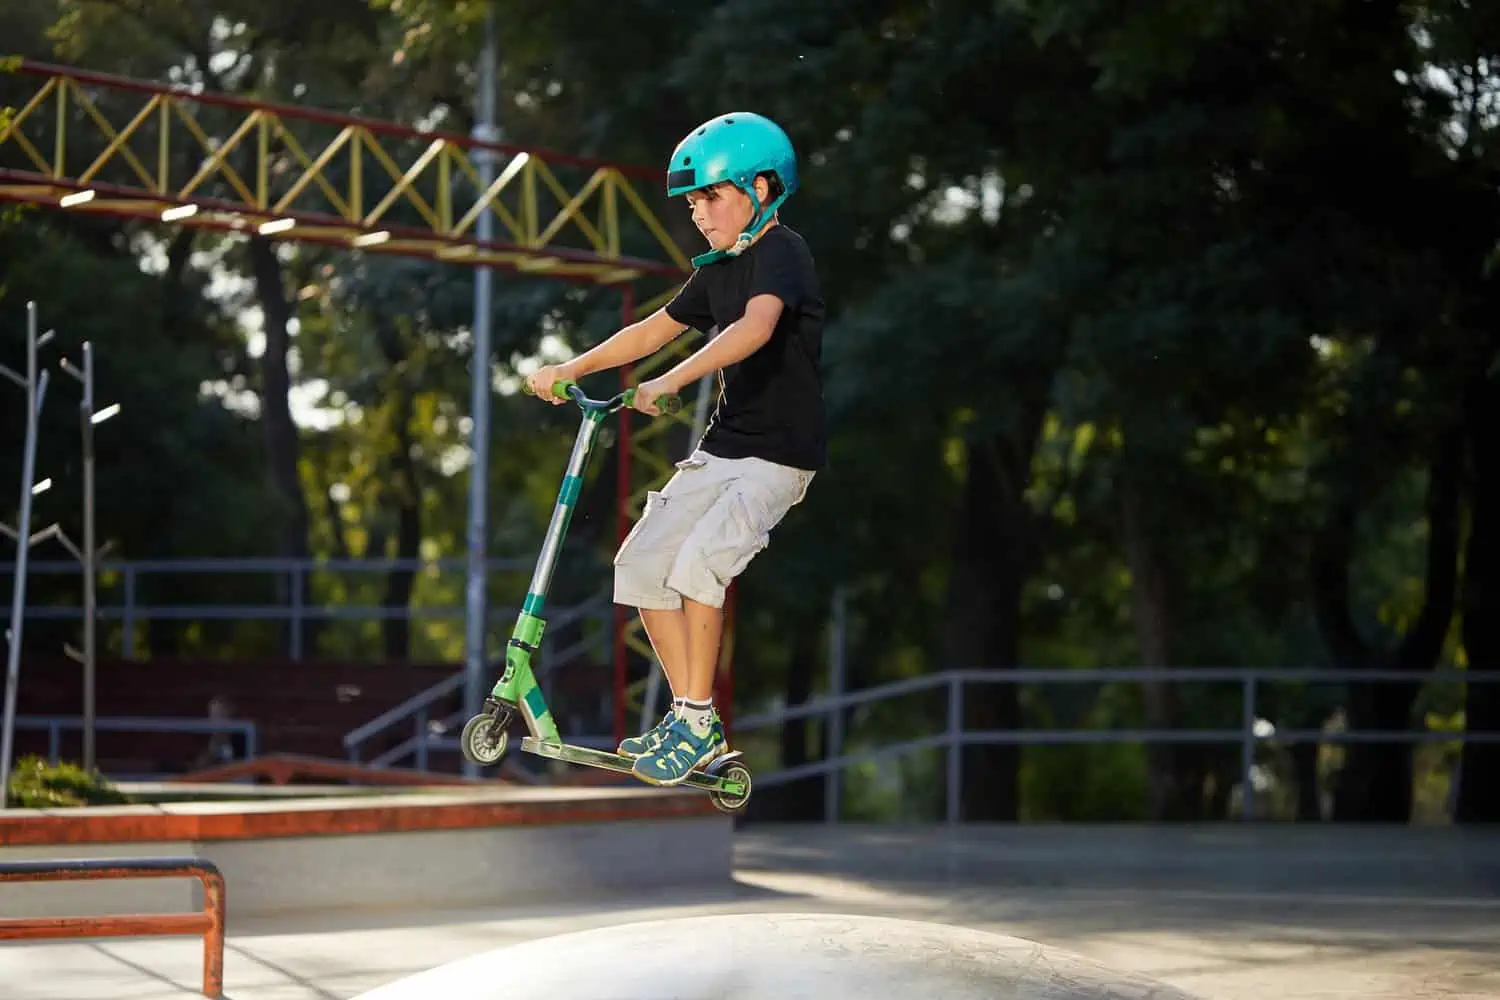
761, 316
660, 329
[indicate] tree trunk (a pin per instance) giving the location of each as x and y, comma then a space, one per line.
164, 636
1375, 783
799, 801
332, 509
282, 445
1479, 770
406, 492
400, 582
1150, 598
1305, 769
991, 560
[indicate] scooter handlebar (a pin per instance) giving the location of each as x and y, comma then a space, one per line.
667, 404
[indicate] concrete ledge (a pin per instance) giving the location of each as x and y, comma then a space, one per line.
417, 848
445, 809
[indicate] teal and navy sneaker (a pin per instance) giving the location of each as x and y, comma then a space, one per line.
680, 752
634, 746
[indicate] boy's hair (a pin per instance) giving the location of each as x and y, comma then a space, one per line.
774, 187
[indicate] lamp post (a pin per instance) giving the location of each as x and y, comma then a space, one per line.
35, 387
89, 556
476, 605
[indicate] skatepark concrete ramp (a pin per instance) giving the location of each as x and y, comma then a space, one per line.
774, 956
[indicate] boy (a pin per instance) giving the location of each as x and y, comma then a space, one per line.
765, 441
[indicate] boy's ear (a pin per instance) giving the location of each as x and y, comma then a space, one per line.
762, 189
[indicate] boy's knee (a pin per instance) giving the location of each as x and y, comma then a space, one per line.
641, 580
649, 593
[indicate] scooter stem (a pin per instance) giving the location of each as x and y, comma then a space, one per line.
562, 512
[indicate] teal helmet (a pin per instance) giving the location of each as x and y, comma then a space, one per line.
735, 147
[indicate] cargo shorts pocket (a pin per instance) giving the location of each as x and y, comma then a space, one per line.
656, 503
751, 511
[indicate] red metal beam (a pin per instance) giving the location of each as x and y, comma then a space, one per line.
622, 525
130, 203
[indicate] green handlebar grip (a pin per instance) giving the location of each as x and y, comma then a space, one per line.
667, 404
559, 388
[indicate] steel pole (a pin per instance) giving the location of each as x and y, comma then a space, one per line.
86, 410
834, 720
36, 392
475, 611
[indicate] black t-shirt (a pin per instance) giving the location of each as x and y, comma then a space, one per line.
770, 404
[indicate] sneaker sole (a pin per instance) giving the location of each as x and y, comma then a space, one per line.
670, 782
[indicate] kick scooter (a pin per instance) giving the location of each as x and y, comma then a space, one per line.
484, 737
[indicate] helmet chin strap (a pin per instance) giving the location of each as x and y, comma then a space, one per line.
757, 223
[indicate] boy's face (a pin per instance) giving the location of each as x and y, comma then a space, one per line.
723, 211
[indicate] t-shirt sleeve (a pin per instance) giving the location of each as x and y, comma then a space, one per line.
690, 305
779, 271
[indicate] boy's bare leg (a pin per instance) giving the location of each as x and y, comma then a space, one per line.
668, 633
705, 628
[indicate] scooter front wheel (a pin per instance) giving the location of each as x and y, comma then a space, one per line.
484, 739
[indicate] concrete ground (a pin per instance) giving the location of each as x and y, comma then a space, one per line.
1225, 913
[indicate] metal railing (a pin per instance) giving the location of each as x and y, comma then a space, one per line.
56, 725
418, 709
431, 734
209, 922
1251, 734
120, 584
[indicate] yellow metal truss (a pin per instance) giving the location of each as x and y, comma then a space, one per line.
89, 142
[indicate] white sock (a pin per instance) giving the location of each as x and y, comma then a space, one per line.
677, 706
699, 714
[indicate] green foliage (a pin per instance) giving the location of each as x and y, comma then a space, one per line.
1085, 784
37, 784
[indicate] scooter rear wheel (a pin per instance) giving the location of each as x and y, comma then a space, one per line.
725, 801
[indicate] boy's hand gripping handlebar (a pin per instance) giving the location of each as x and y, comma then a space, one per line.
667, 404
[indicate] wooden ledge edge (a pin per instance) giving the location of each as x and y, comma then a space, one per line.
145, 824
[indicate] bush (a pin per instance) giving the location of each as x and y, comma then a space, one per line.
36, 784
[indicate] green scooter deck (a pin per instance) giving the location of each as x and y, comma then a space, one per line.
623, 765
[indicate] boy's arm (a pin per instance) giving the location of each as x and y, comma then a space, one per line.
737, 342
631, 343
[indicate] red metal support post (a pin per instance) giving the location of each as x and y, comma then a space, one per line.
724, 675
622, 523
209, 923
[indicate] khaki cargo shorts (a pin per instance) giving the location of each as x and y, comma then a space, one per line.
702, 529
